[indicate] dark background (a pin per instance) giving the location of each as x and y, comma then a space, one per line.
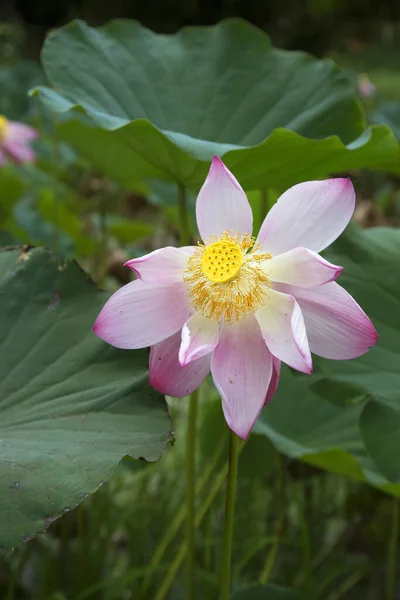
311, 25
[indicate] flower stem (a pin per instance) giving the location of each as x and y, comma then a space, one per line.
229, 514
305, 541
183, 217
349, 583
179, 519
55, 243
392, 551
102, 244
175, 564
190, 495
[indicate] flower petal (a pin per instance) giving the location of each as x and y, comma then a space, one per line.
337, 327
19, 132
161, 266
301, 267
276, 372
167, 375
19, 153
199, 337
142, 314
16, 143
221, 204
311, 214
242, 369
283, 330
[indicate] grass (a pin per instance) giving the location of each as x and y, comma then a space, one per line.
318, 532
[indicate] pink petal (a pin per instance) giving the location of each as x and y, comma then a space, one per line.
167, 375
161, 266
276, 371
19, 153
311, 214
142, 314
301, 267
283, 330
336, 325
221, 204
16, 143
19, 132
242, 369
199, 337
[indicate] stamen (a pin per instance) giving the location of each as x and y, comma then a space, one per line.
226, 278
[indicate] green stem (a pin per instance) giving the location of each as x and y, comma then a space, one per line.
183, 217
179, 519
176, 563
229, 514
306, 546
56, 219
392, 551
207, 560
103, 244
349, 583
190, 495
281, 502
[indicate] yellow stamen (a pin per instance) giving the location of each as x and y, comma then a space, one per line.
3, 127
226, 279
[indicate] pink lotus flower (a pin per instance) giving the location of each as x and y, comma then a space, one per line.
239, 306
366, 88
14, 141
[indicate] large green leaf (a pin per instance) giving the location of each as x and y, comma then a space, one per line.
305, 421
371, 261
71, 406
15, 81
161, 105
388, 113
380, 429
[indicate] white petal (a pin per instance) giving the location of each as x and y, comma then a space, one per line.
168, 376
142, 314
161, 266
337, 327
199, 337
221, 204
311, 214
301, 267
242, 368
282, 327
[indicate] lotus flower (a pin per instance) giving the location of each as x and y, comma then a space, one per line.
366, 88
14, 141
238, 306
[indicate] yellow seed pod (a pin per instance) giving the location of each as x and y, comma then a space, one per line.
221, 261
3, 127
